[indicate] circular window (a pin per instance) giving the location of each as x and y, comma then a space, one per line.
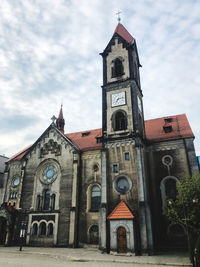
16, 181
48, 174
122, 184
167, 160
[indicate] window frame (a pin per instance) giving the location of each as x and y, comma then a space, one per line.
115, 165
114, 120
116, 188
163, 190
129, 156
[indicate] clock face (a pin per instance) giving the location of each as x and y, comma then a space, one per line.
118, 99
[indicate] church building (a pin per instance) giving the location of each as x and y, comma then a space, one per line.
106, 187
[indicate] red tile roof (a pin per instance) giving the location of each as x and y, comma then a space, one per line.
20, 154
86, 140
180, 128
122, 211
122, 31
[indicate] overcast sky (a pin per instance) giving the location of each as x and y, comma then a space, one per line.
49, 54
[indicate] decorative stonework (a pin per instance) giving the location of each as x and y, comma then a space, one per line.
52, 147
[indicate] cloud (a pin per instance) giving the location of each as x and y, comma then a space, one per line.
49, 54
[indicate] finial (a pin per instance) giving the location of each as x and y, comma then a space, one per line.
53, 119
118, 13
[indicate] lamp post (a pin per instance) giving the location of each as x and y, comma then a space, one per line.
22, 234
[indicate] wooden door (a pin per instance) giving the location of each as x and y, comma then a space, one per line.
121, 240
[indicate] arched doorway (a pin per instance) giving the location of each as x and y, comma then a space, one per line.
94, 234
2, 230
121, 240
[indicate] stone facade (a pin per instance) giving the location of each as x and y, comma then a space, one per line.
64, 186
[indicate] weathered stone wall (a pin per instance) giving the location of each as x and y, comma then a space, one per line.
89, 177
115, 155
157, 171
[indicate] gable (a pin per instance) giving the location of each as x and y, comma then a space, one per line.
49, 146
122, 211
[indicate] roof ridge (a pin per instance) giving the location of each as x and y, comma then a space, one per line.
83, 131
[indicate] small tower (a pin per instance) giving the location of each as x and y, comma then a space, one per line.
60, 122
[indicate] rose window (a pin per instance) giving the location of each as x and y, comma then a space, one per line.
48, 174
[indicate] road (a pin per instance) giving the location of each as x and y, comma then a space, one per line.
54, 257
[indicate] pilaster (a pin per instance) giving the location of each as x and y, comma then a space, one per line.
103, 211
144, 210
74, 206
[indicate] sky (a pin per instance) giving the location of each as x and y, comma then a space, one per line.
49, 54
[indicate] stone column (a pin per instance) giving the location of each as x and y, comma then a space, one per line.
103, 211
73, 212
144, 210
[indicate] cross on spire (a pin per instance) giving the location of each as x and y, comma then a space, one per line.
53, 119
118, 14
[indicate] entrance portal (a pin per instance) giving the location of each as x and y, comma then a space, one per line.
121, 240
2, 230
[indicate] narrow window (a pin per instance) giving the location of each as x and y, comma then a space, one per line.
46, 199
53, 199
43, 228
50, 229
120, 121
35, 229
95, 198
115, 168
127, 156
118, 67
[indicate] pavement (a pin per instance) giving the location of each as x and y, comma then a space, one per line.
42, 256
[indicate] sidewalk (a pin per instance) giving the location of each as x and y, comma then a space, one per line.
93, 255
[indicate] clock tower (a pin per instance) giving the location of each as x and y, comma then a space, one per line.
123, 154
122, 94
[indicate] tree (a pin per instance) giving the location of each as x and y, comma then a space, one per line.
185, 210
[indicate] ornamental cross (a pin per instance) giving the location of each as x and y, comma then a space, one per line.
118, 14
53, 119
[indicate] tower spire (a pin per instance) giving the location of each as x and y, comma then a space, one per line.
60, 122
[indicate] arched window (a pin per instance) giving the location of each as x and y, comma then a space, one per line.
118, 68
46, 199
168, 190
94, 234
50, 229
119, 121
43, 228
95, 198
53, 199
35, 229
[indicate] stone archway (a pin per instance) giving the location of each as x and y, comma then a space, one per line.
3, 230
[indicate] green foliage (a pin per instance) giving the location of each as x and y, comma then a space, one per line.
185, 209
